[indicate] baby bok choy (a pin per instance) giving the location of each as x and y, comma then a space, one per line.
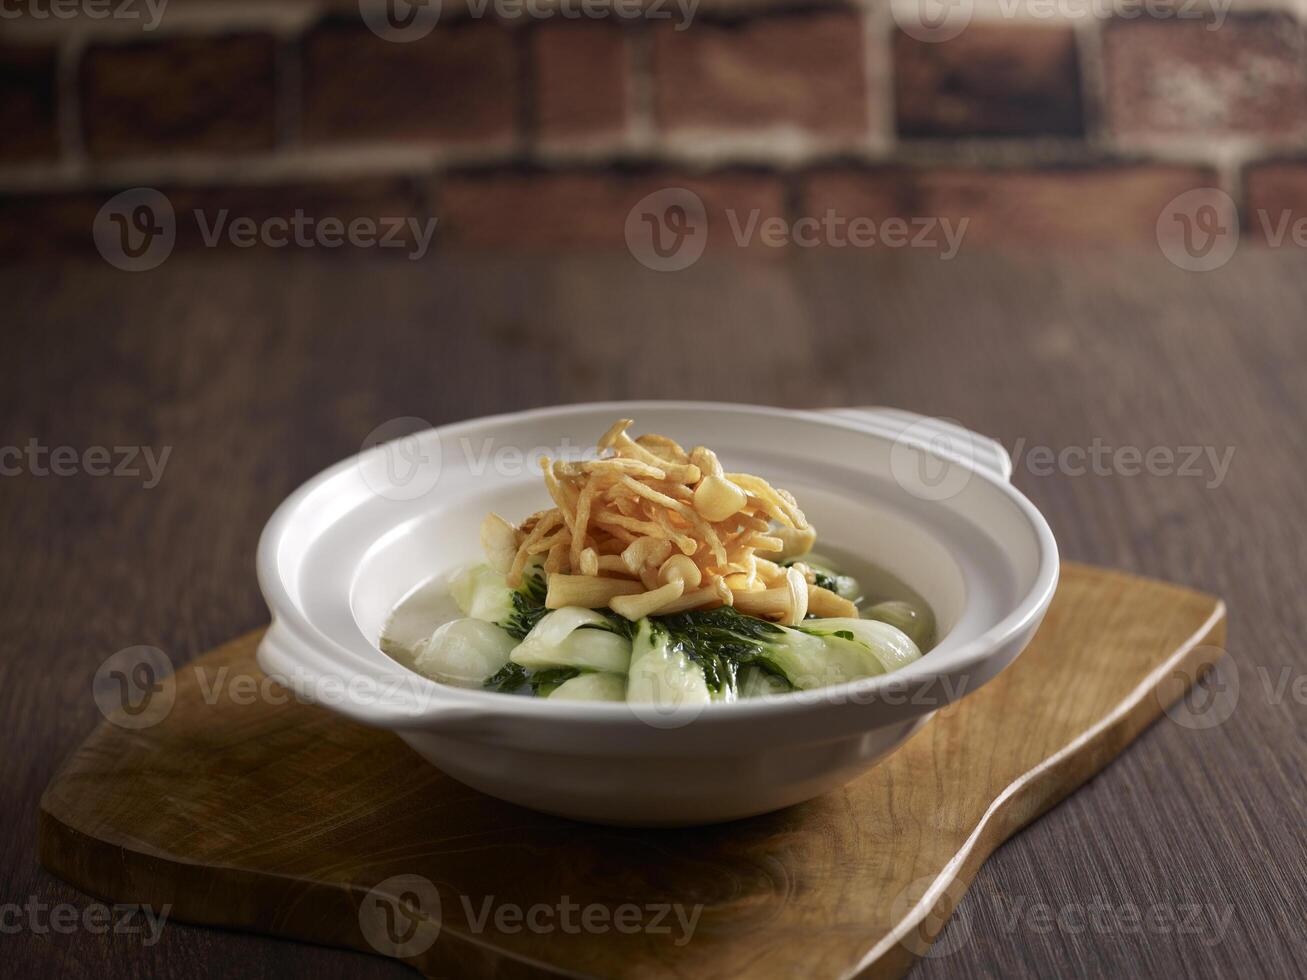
568, 653
510, 642
721, 654
576, 637
662, 672
464, 652
468, 652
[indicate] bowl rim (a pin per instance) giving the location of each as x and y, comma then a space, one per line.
464, 702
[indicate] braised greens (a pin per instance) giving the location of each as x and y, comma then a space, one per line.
512, 643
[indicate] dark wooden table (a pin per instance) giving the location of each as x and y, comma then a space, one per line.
258, 370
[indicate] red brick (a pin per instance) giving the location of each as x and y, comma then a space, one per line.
458, 83
990, 80
1181, 77
581, 78
588, 209
215, 95
28, 130
802, 69
1105, 206
1276, 200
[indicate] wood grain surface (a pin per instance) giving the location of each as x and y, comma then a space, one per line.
259, 370
344, 836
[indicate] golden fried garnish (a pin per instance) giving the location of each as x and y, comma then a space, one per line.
648, 527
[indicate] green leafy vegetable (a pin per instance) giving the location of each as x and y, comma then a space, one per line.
719, 640
512, 677
528, 607
545, 682
507, 679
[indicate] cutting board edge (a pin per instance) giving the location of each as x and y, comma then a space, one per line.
892, 957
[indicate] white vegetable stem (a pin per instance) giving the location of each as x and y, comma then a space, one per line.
464, 652
592, 687
661, 676
482, 593
574, 637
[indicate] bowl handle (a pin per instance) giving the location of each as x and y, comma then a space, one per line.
984, 453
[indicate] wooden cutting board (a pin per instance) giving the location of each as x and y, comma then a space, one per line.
286, 819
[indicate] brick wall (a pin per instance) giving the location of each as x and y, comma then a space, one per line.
1043, 123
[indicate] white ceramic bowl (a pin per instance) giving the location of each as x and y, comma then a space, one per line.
924, 499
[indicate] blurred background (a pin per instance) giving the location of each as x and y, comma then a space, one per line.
539, 124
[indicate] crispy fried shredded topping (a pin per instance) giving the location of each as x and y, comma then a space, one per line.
648, 528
